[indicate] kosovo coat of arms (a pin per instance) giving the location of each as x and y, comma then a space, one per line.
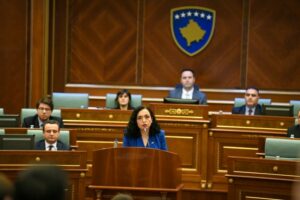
192, 28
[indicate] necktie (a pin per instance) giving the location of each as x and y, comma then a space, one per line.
250, 111
50, 147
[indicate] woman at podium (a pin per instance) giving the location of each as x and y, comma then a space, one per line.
143, 130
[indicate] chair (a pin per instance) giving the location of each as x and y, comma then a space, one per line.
296, 104
70, 100
64, 135
241, 101
136, 100
282, 148
26, 112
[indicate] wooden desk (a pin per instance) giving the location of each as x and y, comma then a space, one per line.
238, 135
74, 162
256, 178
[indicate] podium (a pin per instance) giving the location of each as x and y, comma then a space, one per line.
143, 172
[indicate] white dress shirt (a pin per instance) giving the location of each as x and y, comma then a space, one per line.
54, 146
187, 94
247, 111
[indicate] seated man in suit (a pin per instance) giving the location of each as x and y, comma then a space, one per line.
294, 131
187, 89
44, 109
51, 132
251, 107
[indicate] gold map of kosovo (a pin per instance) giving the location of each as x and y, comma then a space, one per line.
192, 32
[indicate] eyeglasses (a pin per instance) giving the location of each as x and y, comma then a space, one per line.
252, 95
44, 109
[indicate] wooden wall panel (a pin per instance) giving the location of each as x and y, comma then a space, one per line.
103, 41
217, 66
13, 54
239, 54
274, 44
128, 43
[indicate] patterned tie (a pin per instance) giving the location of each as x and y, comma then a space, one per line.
250, 111
50, 147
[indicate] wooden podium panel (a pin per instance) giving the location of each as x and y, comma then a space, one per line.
96, 128
258, 122
146, 170
238, 135
95, 117
183, 112
73, 162
186, 128
256, 178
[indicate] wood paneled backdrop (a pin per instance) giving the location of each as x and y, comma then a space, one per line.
98, 46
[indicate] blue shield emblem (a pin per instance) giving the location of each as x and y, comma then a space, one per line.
192, 28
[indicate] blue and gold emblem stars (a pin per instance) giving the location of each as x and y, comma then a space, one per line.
192, 28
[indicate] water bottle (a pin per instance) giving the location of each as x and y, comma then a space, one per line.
116, 143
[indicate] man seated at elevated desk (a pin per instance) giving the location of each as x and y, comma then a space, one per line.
251, 106
44, 108
187, 89
51, 132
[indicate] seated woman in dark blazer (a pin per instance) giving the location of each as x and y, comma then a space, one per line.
144, 131
123, 100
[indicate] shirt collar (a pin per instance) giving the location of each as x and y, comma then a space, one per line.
187, 94
54, 148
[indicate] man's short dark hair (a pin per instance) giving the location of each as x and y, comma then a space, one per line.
44, 100
41, 183
253, 88
188, 70
50, 122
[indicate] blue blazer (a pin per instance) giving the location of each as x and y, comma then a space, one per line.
157, 141
177, 93
33, 120
40, 145
242, 110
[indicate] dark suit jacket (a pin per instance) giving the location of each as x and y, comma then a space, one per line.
40, 145
242, 110
177, 93
33, 120
294, 130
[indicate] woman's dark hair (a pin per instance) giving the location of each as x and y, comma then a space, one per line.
120, 93
133, 130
